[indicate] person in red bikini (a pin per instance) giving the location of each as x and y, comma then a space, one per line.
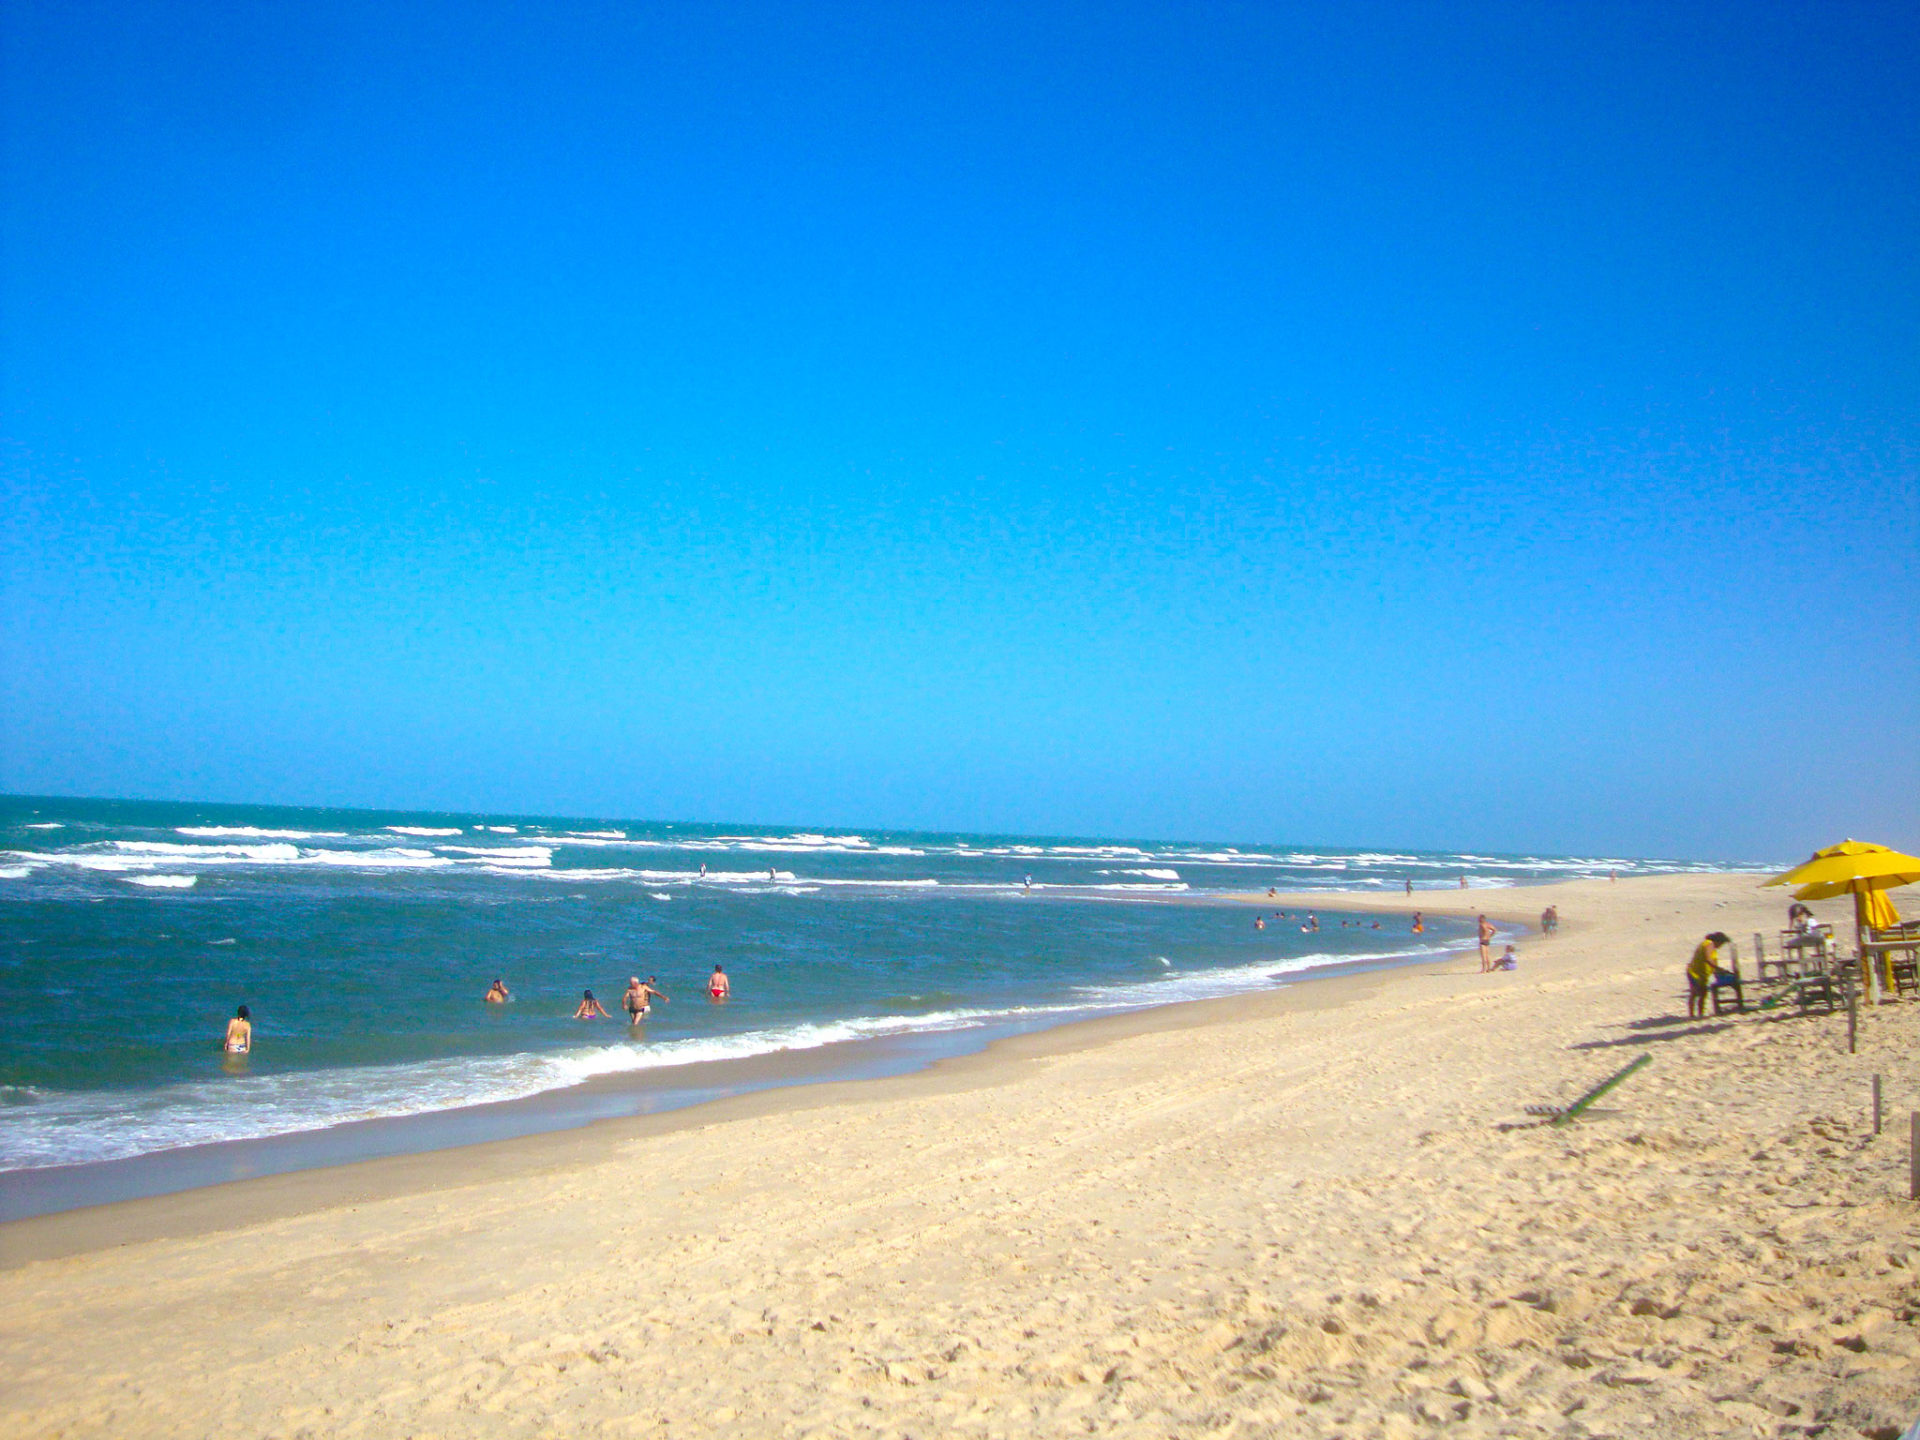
717, 986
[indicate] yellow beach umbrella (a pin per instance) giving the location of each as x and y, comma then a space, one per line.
1873, 909
1847, 869
1857, 868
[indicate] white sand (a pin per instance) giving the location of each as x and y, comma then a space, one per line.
1314, 1213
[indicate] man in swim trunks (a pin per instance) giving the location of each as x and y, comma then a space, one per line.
718, 987
239, 1039
1486, 945
639, 997
497, 993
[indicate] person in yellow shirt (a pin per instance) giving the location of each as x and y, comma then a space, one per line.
1700, 972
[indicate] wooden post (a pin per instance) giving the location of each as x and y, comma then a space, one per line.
1913, 1160
1876, 1104
1853, 1013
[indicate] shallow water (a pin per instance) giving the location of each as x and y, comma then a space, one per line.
363, 941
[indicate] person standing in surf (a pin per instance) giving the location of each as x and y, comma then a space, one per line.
718, 987
639, 997
590, 1009
239, 1039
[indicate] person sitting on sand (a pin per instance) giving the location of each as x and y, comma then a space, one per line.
718, 987
1701, 969
239, 1039
1486, 944
497, 993
1507, 961
589, 1008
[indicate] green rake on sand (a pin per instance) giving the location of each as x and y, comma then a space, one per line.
1561, 1114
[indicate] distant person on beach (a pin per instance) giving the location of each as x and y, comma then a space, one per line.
1409, 885
1463, 882
1508, 961
718, 986
1799, 918
497, 993
1486, 944
1270, 892
1549, 920
239, 1032
589, 1008
1419, 923
1701, 970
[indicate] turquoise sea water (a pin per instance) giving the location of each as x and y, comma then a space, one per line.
362, 942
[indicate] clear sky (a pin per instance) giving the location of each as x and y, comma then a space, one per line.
1444, 425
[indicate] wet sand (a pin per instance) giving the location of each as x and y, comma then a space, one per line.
1316, 1211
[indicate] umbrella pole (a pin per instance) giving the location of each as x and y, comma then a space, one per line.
1859, 889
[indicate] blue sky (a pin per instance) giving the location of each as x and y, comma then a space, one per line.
1485, 426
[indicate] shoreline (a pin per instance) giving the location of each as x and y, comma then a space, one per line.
648, 1101
425, 1150
1313, 1209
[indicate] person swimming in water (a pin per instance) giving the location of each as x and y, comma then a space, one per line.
1419, 923
497, 993
639, 997
589, 1008
239, 1039
718, 986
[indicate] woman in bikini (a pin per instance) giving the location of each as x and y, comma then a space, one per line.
239, 1039
589, 1008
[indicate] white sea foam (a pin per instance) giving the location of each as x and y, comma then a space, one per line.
45, 825
165, 882
596, 834
502, 829
39, 1128
214, 832
396, 858
659, 895
273, 854
19, 872
424, 832
527, 856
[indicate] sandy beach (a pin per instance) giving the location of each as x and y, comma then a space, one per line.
1318, 1211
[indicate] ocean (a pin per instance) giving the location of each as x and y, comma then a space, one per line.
363, 941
